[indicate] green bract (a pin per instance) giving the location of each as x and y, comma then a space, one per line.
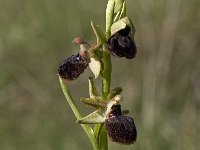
103, 109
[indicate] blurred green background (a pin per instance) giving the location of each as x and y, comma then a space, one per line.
161, 85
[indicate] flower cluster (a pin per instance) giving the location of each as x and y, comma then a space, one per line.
120, 128
118, 41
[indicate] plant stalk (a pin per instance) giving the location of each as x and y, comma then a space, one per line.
106, 75
88, 130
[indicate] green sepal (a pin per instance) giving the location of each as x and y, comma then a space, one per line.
123, 10
99, 35
92, 118
96, 102
122, 13
114, 92
121, 24
118, 5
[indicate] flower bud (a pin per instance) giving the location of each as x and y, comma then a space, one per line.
72, 67
120, 128
122, 45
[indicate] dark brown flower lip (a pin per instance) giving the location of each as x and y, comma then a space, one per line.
72, 67
122, 46
120, 128
115, 111
125, 31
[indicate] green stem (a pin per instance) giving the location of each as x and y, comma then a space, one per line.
73, 106
103, 141
106, 73
106, 76
106, 56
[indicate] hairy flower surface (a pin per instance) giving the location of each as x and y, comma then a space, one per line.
120, 128
122, 45
72, 67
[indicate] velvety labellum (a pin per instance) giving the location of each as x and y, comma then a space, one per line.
120, 128
72, 67
122, 45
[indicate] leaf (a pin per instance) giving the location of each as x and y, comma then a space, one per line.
92, 118
95, 66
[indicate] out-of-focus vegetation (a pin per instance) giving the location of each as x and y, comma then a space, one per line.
161, 86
